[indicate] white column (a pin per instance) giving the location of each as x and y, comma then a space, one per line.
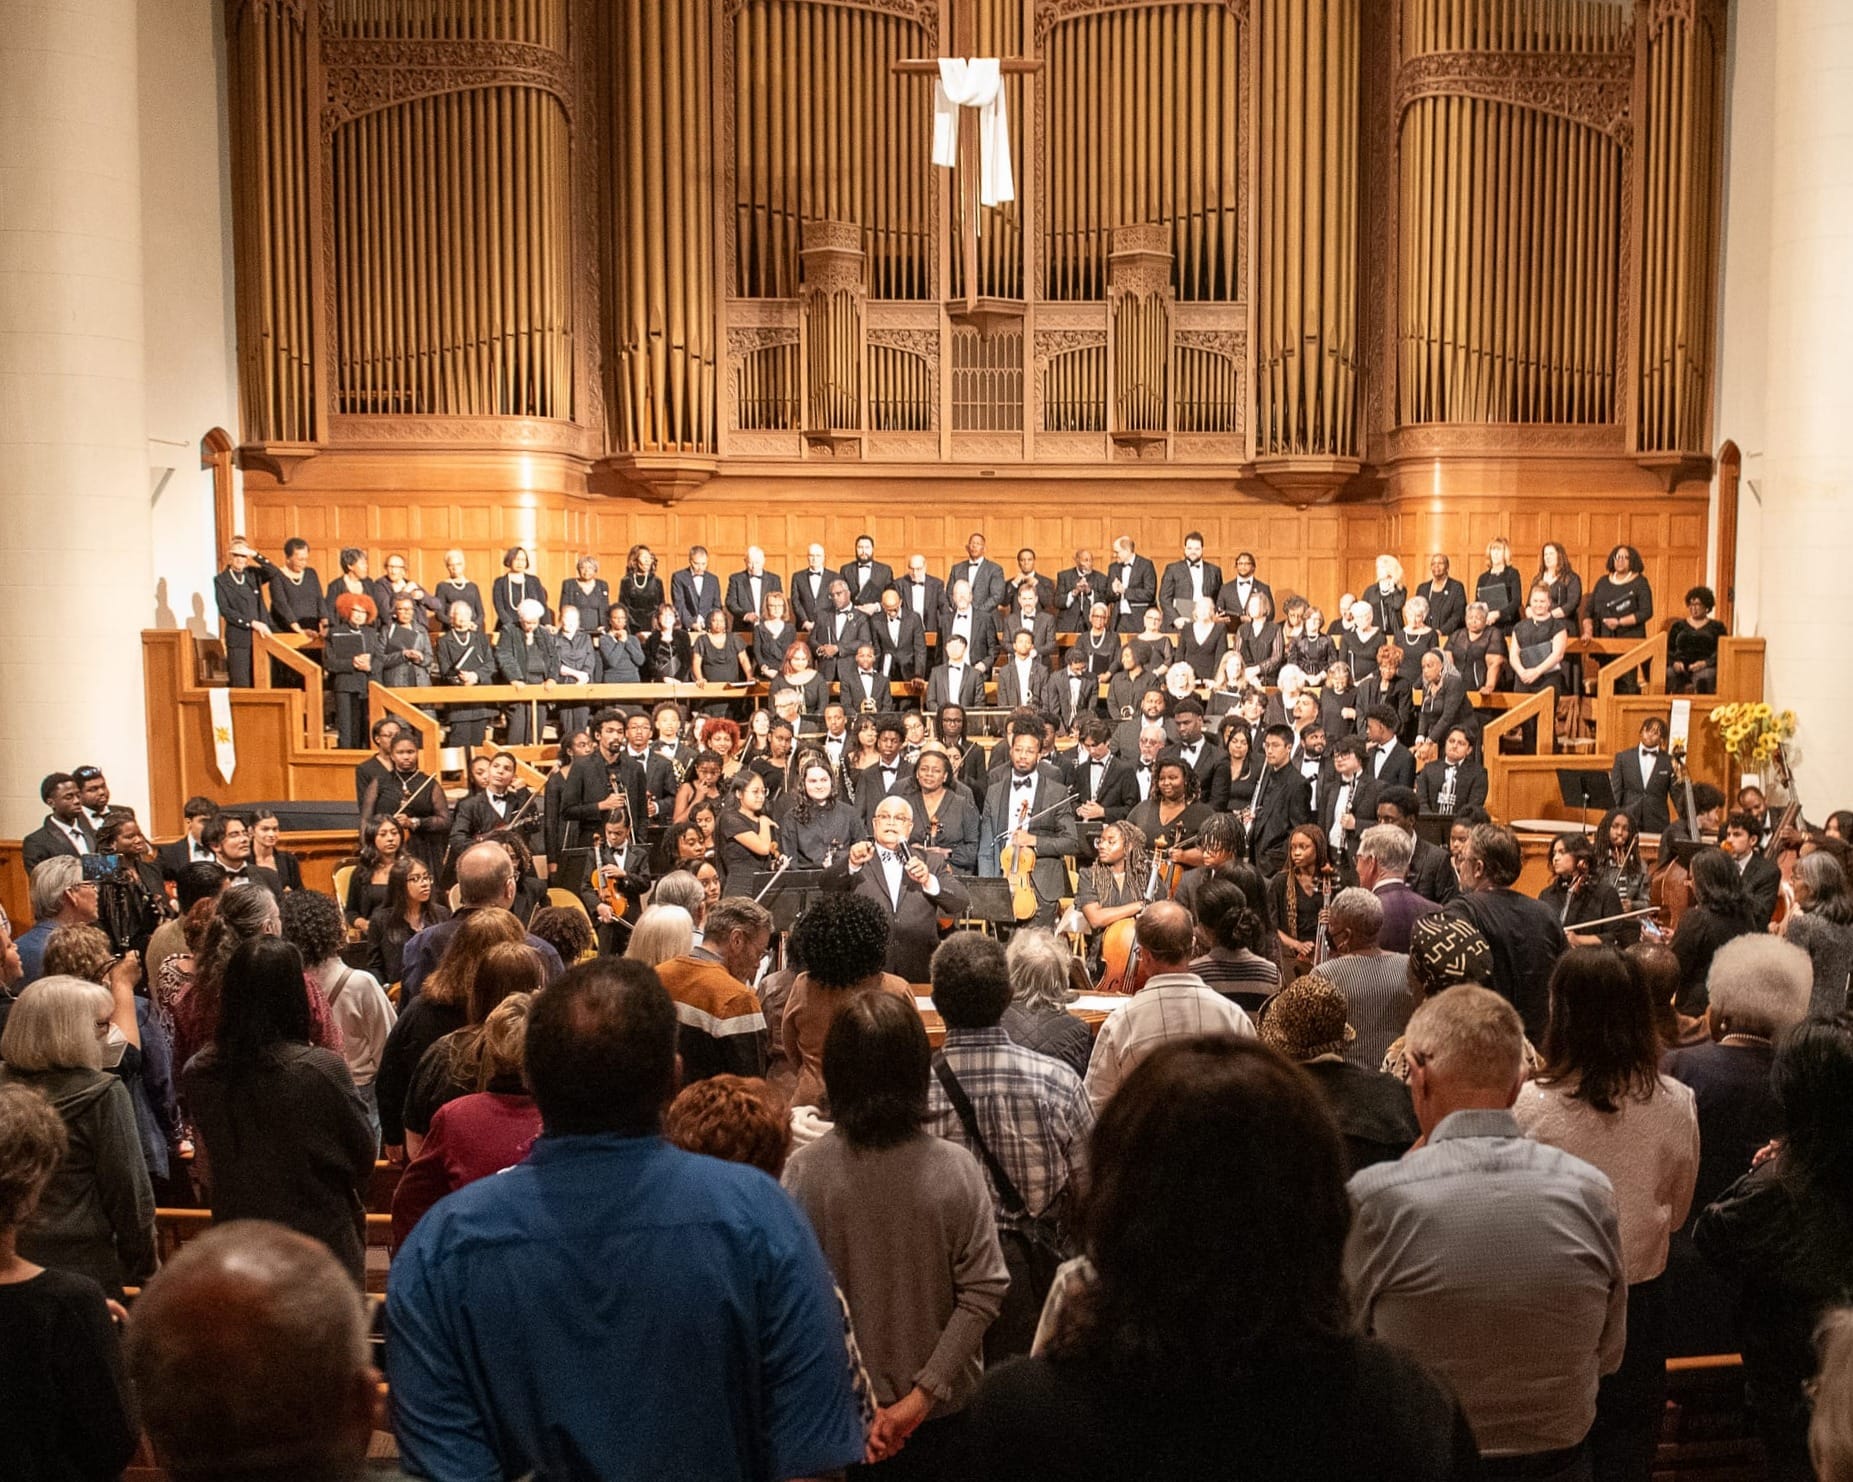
74, 526
1807, 486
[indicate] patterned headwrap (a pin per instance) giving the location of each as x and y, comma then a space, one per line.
1444, 952
1306, 1019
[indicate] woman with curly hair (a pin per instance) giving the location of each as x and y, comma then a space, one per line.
721, 736
703, 784
357, 1002
843, 942
564, 929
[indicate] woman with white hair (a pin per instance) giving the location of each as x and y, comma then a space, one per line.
96, 1217
1041, 970
662, 932
1387, 594
1822, 926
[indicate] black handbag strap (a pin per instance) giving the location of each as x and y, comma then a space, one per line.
962, 1104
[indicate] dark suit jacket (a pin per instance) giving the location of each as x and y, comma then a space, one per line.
970, 692
1071, 615
1126, 735
906, 654
511, 654
1057, 834
344, 645
240, 605
859, 695
1650, 804
1212, 769
958, 828
1762, 883
1431, 873
502, 599
48, 840
1011, 693
1045, 592
1447, 609
588, 784
426, 950
1118, 792
1231, 600
740, 595
1175, 586
933, 598
915, 930
987, 584
1285, 803
844, 629
983, 636
807, 606
1469, 785
1398, 769
1443, 708
881, 577
1058, 697
172, 858
694, 597
1363, 806
475, 817
1041, 631
1140, 592
1401, 907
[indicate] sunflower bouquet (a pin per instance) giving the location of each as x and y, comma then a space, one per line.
1752, 731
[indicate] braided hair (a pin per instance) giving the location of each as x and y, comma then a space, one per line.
1137, 860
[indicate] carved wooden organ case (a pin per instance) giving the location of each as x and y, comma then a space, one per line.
1287, 240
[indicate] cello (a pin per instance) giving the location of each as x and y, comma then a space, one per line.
1119, 947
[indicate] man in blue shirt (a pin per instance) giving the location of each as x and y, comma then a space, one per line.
613, 1307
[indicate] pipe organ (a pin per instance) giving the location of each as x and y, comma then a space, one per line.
1287, 244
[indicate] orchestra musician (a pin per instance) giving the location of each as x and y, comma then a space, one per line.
415, 799
1281, 802
943, 819
494, 807
1578, 894
1172, 815
1031, 808
746, 838
1115, 886
617, 866
611, 780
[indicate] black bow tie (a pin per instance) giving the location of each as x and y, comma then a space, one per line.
1649, 751
1029, 781
1194, 565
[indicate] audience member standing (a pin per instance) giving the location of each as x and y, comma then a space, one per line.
506, 1351
842, 940
1494, 1259
723, 1028
1375, 982
1601, 1097
1306, 1022
1525, 936
1233, 1353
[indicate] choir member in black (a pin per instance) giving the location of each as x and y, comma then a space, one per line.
409, 660
266, 828
375, 767
1621, 603
578, 660
1135, 680
922, 594
797, 674
573, 750
667, 656
1347, 801
957, 681
773, 762
1558, 576
1536, 647
456, 587
465, 658
866, 578
1242, 584
1072, 694
1454, 780
352, 582
620, 655
1025, 615
526, 656
718, 656
1241, 767
1692, 646
516, 584
353, 658
1479, 656
396, 583
1444, 702
818, 825
900, 640
495, 807
748, 591
640, 589
1415, 638
1578, 894
617, 873
237, 592
1618, 858
701, 783
588, 592
1172, 818
1205, 758
296, 601
773, 634
1390, 762
1294, 896
1446, 598
695, 591
382, 843
969, 762
746, 838
416, 799
1500, 586
1202, 641
942, 818
1132, 585
1387, 688
412, 904
887, 773
1078, 590
1280, 802
1387, 596
1359, 644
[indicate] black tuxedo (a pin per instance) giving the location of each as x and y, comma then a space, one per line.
903, 653
1431, 873
1059, 697
1139, 590
1762, 883
1113, 773
1045, 592
810, 595
932, 593
1071, 602
1041, 631
1057, 834
987, 583
1233, 598
739, 600
1444, 706
1011, 692
175, 857
589, 783
867, 590
1397, 768
634, 859
1212, 771
915, 929
476, 817
939, 691
1362, 806
845, 629
1282, 801
694, 597
983, 645
48, 840
873, 784
1469, 786
864, 693
1175, 586
1649, 802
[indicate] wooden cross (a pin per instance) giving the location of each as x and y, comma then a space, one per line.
964, 44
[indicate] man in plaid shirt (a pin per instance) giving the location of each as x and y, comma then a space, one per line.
1031, 1111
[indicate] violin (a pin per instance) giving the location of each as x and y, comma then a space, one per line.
608, 893
1018, 863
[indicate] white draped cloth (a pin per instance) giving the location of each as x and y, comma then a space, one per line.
975, 82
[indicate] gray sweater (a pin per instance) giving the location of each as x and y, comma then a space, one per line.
910, 1233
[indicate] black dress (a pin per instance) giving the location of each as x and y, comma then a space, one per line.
1503, 593
811, 840
364, 898
642, 598
1631, 601
1534, 638
428, 810
738, 863
1470, 655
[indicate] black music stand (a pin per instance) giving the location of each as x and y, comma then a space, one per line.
787, 895
572, 870
1584, 788
991, 900
1437, 828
